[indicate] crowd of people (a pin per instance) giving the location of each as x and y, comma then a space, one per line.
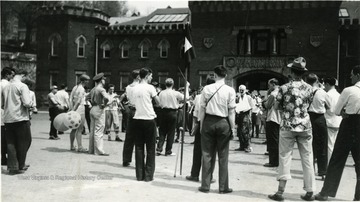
323, 123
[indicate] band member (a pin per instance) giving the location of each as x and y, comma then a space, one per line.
98, 98
217, 117
144, 126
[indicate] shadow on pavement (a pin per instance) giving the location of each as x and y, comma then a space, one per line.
116, 175
40, 138
55, 149
117, 165
275, 174
249, 194
245, 162
173, 186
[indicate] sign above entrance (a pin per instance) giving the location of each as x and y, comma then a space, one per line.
256, 62
208, 42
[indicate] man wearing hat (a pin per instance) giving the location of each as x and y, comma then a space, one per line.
243, 119
293, 100
77, 103
54, 109
98, 98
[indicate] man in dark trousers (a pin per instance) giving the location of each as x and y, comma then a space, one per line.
17, 104
54, 109
348, 139
144, 126
197, 154
169, 103
129, 136
273, 120
217, 117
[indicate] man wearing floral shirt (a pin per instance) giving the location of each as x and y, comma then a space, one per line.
294, 99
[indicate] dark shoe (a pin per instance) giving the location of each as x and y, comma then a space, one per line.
248, 150
266, 153
276, 197
148, 179
56, 138
104, 154
308, 196
170, 154
118, 139
320, 197
240, 149
60, 133
15, 172
203, 190
25, 167
191, 178
226, 191
269, 165
126, 164
177, 140
51, 138
158, 153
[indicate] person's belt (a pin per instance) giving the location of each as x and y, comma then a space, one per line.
215, 116
169, 109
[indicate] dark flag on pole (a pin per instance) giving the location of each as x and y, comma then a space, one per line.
189, 51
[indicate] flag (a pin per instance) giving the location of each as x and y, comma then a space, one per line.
189, 51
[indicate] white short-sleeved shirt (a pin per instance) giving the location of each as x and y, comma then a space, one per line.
142, 95
170, 98
221, 102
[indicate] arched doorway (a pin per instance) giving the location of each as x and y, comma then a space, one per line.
257, 80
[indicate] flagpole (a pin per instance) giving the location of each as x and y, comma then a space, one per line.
184, 118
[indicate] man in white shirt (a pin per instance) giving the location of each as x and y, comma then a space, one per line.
17, 103
112, 115
217, 122
7, 74
348, 139
144, 126
317, 110
77, 103
54, 109
63, 99
332, 120
129, 136
243, 119
169, 103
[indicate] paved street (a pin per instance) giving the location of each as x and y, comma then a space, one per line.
58, 174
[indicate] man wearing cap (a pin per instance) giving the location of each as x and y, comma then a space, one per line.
144, 126
129, 136
77, 103
317, 110
243, 119
332, 120
294, 99
98, 98
348, 139
54, 110
169, 103
217, 122
17, 104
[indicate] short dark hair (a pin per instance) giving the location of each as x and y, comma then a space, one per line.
7, 71
144, 72
330, 80
356, 70
111, 85
274, 81
220, 71
135, 73
210, 79
312, 78
63, 86
169, 82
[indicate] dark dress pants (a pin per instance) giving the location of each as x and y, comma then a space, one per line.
18, 138
144, 136
197, 154
167, 130
215, 137
87, 115
3, 146
272, 138
348, 139
320, 146
53, 112
243, 120
129, 137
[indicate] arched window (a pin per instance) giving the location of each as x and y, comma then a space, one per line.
145, 46
124, 47
106, 46
81, 43
164, 46
54, 41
